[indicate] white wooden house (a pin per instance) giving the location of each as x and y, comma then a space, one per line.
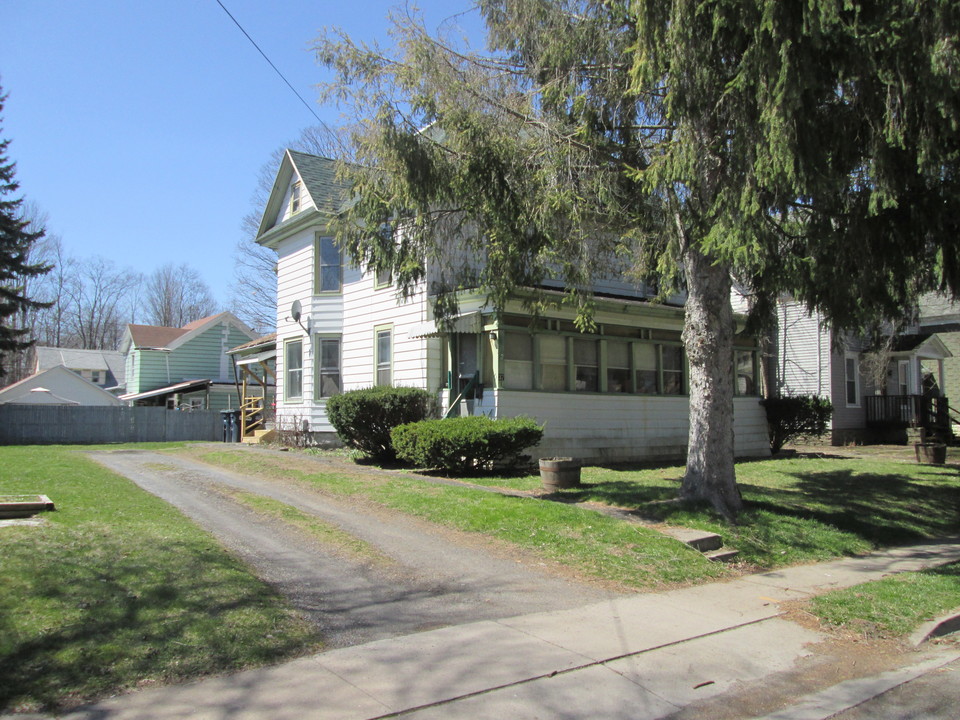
618, 394
812, 359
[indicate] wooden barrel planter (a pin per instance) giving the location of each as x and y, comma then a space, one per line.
558, 473
931, 453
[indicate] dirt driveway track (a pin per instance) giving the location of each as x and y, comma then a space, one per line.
436, 577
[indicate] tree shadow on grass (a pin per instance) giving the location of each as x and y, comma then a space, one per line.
885, 509
118, 618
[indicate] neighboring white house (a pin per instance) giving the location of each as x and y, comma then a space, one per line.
811, 359
618, 394
101, 367
57, 385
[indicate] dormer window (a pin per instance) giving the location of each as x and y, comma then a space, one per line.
295, 191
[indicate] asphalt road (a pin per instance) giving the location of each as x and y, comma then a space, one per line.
435, 577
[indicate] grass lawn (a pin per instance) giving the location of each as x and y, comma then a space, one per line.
894, 606
799, 510
119, 590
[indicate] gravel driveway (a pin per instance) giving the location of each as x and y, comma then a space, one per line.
436, 577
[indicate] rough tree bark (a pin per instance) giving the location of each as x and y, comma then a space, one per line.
708, 339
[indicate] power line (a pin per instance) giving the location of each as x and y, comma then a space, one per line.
253, 42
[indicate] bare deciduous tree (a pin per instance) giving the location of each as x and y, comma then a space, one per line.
177, 295
96, 304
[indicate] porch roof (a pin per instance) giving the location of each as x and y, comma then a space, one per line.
187, 386
924, 345
471, 322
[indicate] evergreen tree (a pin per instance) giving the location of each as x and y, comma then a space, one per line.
809, 148
16, 240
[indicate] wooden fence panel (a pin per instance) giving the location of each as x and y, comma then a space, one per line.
77, 425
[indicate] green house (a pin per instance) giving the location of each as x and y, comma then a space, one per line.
184, 368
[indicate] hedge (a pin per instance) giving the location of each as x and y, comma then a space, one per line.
466, 444
364, 418
794, 416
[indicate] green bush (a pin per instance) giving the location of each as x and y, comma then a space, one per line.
466, 444
792, 417
364, 418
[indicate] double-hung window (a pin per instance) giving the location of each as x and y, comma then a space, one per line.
327, 372
383, 355
293, 370
329, 266
618, 366
851, 368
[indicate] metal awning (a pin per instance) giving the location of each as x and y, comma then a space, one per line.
188, 386
259, 357
471, 322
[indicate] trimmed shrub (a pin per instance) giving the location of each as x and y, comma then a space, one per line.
792, 417
364, 418
466, 444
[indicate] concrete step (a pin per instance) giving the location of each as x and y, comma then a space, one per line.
697, 539
722, 555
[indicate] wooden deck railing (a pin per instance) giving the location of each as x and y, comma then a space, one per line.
907, 411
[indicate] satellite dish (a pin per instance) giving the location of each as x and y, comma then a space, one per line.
295, 311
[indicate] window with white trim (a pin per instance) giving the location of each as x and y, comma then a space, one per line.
383, 355
851, 367
293, 370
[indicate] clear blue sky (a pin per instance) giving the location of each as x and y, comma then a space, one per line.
140, 125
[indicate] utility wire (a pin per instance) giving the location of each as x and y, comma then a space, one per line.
253, 42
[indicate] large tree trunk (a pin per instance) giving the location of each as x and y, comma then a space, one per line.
708, 339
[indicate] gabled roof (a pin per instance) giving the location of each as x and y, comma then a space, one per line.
167, 338
154, 336
927, 345
318, 175
67, 388
261, 343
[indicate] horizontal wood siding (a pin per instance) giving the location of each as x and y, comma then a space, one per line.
803, 365
622, 428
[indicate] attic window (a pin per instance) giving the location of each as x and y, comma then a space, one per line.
295, 191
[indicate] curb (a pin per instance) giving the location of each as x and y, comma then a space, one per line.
938, 627
850, 694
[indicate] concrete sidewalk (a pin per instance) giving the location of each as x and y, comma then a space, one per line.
644, 656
